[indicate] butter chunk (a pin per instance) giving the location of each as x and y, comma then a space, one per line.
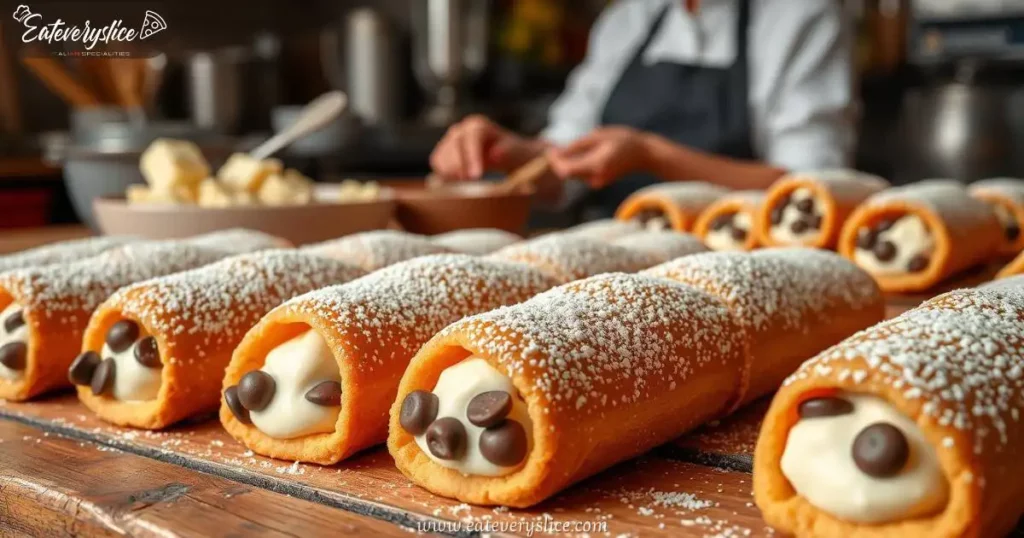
213, 193
289, 188
244, 173
144, 194
169, 165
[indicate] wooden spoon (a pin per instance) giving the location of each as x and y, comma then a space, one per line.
525, 176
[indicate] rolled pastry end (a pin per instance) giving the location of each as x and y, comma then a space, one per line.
654, 213
1011, 218
798, 211
861, 462
728, 224
289, 393
464, 428
23, 372
905, 247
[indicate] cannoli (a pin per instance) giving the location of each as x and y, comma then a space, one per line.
670, 205
570, 257
61, 252
48, 308
314, 379
728, 224
791, 302
511, 406
664, 245
478, 241
1015, 267
911, 428
239, 241
1006, 196
911, 238
810, 208
377, 249
155, 352
604, 229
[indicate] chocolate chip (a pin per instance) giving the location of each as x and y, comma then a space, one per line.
122, 335
738, 234
14, 321
147, 353
880, 450
776, 214
103, 376
648, 215
235, 405
805, 206
798, 227
419, 409
1012, 232
255, 390
327, 394
446, 438
884, 225
824, 407
14, 355
83, 368
885, 251
815, 222
489, 408
721, 221
505, 444
918, 263
866, 239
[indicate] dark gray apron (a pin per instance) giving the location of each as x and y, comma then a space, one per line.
704, 108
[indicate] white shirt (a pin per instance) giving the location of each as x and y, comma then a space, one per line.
800, 71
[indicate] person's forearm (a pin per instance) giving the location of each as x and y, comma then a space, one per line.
673, 162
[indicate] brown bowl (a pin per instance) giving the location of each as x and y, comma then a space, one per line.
455, 207
299, 224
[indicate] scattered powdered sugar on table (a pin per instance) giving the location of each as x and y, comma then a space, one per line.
662, 244
605, 341
775, 285
377, 249
61, 252
961, 354
572, 257
67, 290
477, 241
238, 241
402, 306
215, 305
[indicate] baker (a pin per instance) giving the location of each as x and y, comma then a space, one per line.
732, 91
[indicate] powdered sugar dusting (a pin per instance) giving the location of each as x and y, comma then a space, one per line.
962, 213
604, 229
662, 244
843, 183
1007, 187
218, 303
691, 195
606, 341
571, 257
61, 252
65, 290
238, 241
478, 241
376, 249
775, 285
406, 304
961, 355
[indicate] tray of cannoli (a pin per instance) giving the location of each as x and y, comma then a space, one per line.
831, 357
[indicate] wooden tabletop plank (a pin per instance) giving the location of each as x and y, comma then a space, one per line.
21, 239
650, 496
50, 485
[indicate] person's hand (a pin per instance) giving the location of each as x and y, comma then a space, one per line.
602, 156
476, 145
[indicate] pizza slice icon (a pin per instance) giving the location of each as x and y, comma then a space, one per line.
152, 24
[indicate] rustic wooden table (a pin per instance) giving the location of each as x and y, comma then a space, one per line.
65, 473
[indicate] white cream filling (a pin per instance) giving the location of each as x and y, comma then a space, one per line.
133, 382
456, 386
657, 224
722, 239
911, 237
19, 334
297, 366
783, 231
818, 463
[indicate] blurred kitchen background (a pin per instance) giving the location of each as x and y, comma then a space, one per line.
940, 82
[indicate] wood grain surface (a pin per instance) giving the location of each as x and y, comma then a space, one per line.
650, 496
54, 485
